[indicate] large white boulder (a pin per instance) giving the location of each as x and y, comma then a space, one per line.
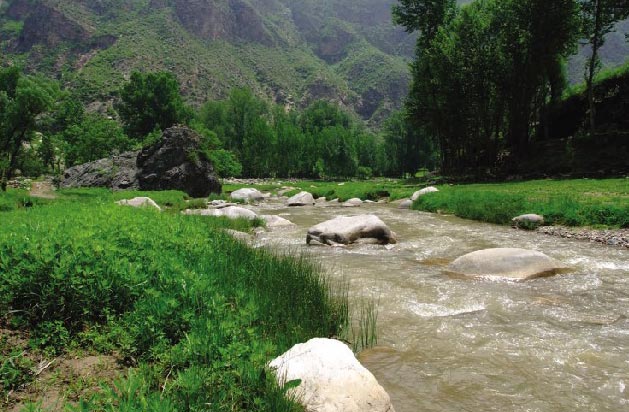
348, 229
301, 199
247, 194
332, 379
419, 193
232, 212
506, 264
139, 202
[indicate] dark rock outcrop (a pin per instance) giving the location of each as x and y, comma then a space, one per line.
173, 163
118, 172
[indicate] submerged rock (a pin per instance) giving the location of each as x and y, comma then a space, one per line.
331, 378
348, 229
505, 263
276, 222
139, 202
422, 192
353, 202
248, 195
301, 199
405, 204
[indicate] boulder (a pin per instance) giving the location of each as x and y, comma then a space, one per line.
353, 202
176, 162
330, 378
505, 263
348, 229
419, 193
276, 222
247, 194
528, 221
301, 199
232, 212
116, 172
139, 202
405, 204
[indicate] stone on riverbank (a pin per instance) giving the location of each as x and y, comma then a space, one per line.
348, 229
247, 194
301, 199
231, 212
506, 264
353, 202
528, 221
139, 202
419, 193
405, 204
276, 222
331, 377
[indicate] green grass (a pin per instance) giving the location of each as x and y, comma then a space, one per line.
197, 314
584, 202
14, 199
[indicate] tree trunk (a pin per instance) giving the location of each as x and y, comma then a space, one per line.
596, 44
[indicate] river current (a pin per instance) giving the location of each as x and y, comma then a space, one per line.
446, 344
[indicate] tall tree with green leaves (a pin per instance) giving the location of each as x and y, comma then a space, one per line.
23, 99
598, 19
151, 101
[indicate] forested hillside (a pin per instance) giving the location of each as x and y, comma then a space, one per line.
292, 52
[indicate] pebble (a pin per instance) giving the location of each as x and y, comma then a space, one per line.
614, 237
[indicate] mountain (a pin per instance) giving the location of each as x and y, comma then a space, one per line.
292, 51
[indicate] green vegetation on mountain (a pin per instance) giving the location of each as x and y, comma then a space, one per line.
290, 52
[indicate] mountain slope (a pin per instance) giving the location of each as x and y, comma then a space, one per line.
292, 51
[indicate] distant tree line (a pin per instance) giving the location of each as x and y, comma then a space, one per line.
44, 129
485, 74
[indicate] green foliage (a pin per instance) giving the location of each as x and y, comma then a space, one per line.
199, 313
572, 203
151, 101
15, 367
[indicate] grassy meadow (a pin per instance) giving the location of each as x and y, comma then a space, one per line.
577, 202
193, 313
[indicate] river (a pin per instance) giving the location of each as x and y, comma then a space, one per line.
444, 344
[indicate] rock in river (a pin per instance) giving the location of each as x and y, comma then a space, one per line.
348, 229
330, 378
247, 194
529, 221
232, 212
301, 199
505, 263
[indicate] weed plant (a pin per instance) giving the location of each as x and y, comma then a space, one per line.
196, 313
597, 203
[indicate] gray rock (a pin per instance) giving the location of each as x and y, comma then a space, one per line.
505, 264
332, 379
422, 192
301, 199
139, 202
405, 204
173, 163
528, 221
248, 195
348, 229
176, 162
353, 202
276, 222
117, 172
232, 212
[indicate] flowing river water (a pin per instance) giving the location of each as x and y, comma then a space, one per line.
446, 344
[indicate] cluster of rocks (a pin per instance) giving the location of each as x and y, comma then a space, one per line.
616, 237
175, 162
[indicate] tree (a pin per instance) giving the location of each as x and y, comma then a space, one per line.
598, 19
151, 101
23, 99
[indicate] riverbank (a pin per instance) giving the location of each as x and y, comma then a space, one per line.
614, 237
190, 315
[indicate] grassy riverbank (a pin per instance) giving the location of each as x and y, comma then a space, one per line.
577, 202
195, 313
